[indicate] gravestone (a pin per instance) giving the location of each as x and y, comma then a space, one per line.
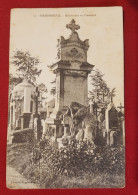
88, 133
80, 135
113, 118
113, 138
113, 121
37, 128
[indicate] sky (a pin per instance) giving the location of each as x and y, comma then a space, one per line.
37, 31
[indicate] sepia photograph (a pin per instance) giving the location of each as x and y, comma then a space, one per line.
66, 118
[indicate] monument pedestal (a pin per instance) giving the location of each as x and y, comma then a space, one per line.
25, 120
11, 138
52, 127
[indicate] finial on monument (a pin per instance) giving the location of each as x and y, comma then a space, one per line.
72, 26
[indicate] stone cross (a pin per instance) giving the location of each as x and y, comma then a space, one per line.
112, 94
72, 26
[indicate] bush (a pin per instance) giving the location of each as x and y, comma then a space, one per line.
77, 159
79, 164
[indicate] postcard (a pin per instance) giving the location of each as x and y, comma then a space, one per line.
66, 99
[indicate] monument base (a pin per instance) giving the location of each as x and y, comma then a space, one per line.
25, 120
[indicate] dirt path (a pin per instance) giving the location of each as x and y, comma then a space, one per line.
15, 180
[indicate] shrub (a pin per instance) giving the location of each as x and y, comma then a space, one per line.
81, 164
78, 158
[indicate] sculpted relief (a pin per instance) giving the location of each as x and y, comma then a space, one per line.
75, 73
74, 54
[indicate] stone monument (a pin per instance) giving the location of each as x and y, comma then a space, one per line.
112, 126
22, 105
71, 71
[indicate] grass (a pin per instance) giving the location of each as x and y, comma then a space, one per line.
87, 181
19, 157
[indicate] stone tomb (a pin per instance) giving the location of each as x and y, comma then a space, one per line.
113, 118
71, 74
114, 130
22, 106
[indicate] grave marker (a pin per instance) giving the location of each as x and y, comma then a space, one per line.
113, 118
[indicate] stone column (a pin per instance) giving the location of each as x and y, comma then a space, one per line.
13, 114
27, 99
31, 124
66, 131
107, 125
26, 108
16, 123
22, 123
59, 100
86, 91
37, 128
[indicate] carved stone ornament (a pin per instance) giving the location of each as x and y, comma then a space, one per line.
74, 54
75, 73
72, 26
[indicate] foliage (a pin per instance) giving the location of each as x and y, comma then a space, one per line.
27, 137
76, 165
77, 159
101, 89
42, 93
42, 87
53, 89
26, 65
14, 80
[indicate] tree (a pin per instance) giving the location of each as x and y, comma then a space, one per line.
26, 65
53, 89
42, 93
14, 80
99, 89
42, 87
